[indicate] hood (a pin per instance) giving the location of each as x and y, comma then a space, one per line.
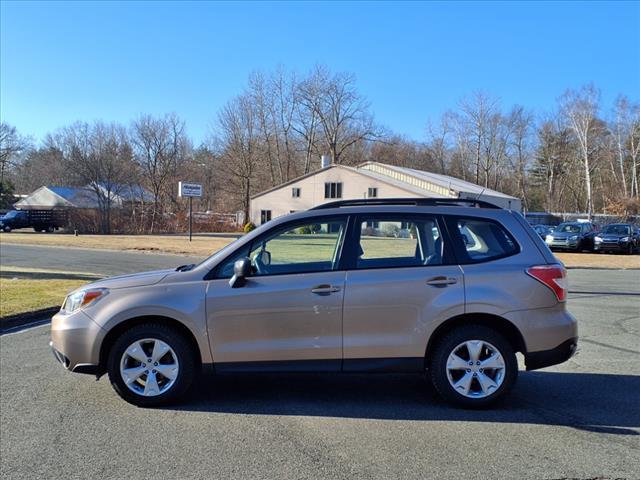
563, 234
613, 236
132, 280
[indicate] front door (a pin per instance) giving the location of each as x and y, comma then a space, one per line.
288, 315
402, 283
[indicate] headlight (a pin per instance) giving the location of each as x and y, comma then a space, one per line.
573, 238
549, 239
598, 239
82, 298
625, 239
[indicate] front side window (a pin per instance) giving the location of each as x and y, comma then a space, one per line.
394, 242
303, 248
333, 190
484, 240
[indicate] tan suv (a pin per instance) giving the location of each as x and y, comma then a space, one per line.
452, 288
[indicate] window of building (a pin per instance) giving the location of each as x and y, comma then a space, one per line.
372, 193
265, 216
295, 192
396, 242
333, 190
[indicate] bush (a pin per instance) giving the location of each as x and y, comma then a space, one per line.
248, 227
306, 230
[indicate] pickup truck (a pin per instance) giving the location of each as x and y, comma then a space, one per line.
39, 220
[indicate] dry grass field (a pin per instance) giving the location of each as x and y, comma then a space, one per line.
204, 246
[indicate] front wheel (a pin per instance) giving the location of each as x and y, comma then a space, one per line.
151, 365
473, 366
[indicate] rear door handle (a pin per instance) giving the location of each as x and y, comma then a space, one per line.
441, 281
320, 289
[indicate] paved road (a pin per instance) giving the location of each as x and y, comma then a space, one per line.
577, 420
100, 262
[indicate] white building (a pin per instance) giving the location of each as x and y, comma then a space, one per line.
368, 180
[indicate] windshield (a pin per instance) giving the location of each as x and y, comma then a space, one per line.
618, 230
11, 214
568, 228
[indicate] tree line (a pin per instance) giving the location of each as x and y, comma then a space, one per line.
580, 156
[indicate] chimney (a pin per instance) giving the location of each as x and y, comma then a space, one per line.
325, 160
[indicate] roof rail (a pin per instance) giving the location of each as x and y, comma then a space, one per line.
416, 202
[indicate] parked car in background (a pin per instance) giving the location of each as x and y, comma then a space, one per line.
576, 236
617, 237
39, 220
335, 289
543, 230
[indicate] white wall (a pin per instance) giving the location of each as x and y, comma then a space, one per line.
354, 186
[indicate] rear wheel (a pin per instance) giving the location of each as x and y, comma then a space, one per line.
7, 229
473, 366
151, 364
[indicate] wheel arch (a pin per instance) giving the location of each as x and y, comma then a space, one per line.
500, 324
125, 325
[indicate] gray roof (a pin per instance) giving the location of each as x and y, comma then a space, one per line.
79, 197
446, 181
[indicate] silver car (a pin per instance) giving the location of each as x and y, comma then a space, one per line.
449, 288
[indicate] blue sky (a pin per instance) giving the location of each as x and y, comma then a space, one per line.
62, 62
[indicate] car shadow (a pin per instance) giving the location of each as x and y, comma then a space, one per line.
592, 402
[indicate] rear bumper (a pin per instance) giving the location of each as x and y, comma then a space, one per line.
554, 356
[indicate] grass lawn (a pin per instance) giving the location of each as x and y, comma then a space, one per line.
25, 289
205, 246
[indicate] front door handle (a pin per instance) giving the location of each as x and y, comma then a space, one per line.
320, 289
441, 281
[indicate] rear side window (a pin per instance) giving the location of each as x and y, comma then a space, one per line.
484, 240
388, 242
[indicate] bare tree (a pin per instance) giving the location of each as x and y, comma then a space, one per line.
160, 146
580, 109
522, 125
238, 145
343, 114
11, 145
98, 156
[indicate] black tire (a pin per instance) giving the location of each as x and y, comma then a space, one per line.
50, 229
629, 249
7, 229
185, 355
438, 365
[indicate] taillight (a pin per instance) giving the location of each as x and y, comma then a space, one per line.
552, 276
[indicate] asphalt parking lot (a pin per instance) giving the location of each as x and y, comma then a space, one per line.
576, 420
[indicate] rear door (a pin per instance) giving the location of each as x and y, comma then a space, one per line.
402, 279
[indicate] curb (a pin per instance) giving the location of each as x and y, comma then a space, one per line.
13, 321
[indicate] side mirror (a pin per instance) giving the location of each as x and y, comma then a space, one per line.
241, 270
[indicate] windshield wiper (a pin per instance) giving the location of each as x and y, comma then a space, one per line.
185, 268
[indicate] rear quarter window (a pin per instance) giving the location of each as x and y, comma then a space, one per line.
482, 240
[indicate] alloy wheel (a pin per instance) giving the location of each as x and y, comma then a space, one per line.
475, 369
149, 367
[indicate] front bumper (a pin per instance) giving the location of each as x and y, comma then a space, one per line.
554, 356
610, 246
75, 341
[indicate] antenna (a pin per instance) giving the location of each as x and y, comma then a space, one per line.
480, 194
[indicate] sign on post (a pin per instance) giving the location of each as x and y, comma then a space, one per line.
189, 190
